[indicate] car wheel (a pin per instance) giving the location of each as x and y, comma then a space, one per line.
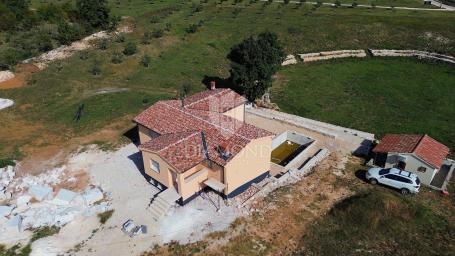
373, 181
404, 191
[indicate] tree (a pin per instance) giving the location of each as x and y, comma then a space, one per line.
68, 33
19, 7
95, 13
254, 61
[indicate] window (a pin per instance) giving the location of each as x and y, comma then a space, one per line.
384, 171
155, 166
391, 177
422, 169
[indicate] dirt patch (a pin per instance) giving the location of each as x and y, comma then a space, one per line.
23, 72
78, 182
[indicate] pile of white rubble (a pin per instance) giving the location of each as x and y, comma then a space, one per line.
31, 202
6, 103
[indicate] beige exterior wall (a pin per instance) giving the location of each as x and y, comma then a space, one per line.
191, 181
237, 113
249, 163
164, 176
412, 164
145, 134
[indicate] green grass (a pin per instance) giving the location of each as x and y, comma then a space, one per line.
375, 95
178, 58
379, 222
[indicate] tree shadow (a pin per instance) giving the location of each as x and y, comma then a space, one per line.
221, 83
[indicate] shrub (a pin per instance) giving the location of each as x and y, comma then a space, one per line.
6, 162
95, 69
157, 33
168, 26
102, 45
145, 60
44, 232
83, 55
105, 216
116, 58
130, 49
192, 29
120, 38
354, 4
146, 38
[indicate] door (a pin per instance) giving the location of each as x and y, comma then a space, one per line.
175, 182
391, 180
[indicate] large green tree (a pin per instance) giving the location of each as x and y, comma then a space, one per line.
95, 13
254, 61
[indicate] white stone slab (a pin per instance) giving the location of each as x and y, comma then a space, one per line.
5, 210
92, 196
40, 192
64, 197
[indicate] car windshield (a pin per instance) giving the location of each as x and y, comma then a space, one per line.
417, 181
384, 171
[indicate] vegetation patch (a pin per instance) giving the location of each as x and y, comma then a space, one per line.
105, 216
381, 223
375, 95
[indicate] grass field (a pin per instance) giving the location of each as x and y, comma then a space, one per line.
45, 107
357, 226
375, 95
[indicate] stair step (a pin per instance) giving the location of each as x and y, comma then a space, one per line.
160, 206
156, 212
164, 200
161, 201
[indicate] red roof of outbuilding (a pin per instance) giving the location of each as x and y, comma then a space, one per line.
423, 146
180, 142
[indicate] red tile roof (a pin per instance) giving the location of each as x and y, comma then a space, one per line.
180, 142
423, 146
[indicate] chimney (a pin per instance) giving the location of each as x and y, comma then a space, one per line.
212, 85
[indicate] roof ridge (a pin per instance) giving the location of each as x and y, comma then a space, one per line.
212, 124
221, 90
180, 140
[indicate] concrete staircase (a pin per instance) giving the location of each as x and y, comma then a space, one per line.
163, 202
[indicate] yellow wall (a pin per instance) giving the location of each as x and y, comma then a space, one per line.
143, 134
164, 176
249, 163
237, 113
193, 182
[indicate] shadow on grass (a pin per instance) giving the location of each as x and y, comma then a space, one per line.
133, 135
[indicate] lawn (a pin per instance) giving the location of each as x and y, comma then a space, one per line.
375, 95
46, 106
380, 222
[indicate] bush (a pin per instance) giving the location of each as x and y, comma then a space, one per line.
130, 49
95, 70
44, 232
120, 38
117, 58
192, 29
145, 60
146, 38
103, 44
157, 33
105, 216
6, 162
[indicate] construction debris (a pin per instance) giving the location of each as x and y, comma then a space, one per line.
6, 75
309, 57
92, 196
5, 210
413, 53
40, 192
5, 103
290, 60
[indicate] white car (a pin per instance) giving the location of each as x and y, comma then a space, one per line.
406, 182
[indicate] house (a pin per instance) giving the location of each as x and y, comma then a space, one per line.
419, 154
203, 141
